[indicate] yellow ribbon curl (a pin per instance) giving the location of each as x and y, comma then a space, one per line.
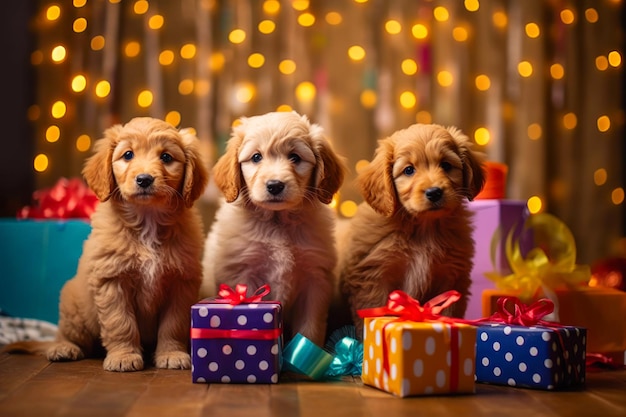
550, 264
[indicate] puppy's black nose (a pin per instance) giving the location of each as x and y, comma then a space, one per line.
144, 180
275, 187
434, 194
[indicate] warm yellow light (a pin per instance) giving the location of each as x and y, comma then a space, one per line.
602, 63
591, 15
166, 57
103, 88
79, 83
532, 30
482, 82
185, 87
356, 53
300, 5
36, 58
482, 136
216, 61
615, 59
534, 131
173, 117
132, 49
471, 5
603, 123
144, 99
53, 12
570, 121
360, 1
256, 60
333, 18
83, 143
600, 176
271, 6
348, 208
79, 25
97, 42
444, 78
202, 88
156, 22
500, 19
419, 31
58, 53
393, 27
567, 16
40, 163
408, 100
409, 66
287, 66
460, 34
284, 108
237, 36
617, 196
441, 14
53, 133
424, 117
266, 26
306, 91
525, 69
534, 204
141, 6
306, 20
188, 51
557, 71
58, 109
361, 165
79, 3
368, 99
244, 92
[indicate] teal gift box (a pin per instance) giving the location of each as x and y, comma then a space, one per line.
37, 258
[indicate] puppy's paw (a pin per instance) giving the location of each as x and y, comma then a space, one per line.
64, 351
172, 360
123, 362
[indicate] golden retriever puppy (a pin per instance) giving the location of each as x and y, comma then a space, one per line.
140, 270
278, 175
413, 232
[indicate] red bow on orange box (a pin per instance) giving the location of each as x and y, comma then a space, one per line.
239, 294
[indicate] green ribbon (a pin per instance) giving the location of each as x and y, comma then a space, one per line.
305, 357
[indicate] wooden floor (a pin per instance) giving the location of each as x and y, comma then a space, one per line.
31, 386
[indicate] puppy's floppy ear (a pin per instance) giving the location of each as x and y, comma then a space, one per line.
376, 180
196, 168
98, 169
330, 168
227, 172
473, 169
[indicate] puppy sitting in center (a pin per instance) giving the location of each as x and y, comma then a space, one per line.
278, 175
413, 232
140, 270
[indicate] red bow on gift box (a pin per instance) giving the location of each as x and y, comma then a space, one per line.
239, 294
522, 314
66, 199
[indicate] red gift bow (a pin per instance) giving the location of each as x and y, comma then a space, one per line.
238, 295
66, 199
406, 308
523, 315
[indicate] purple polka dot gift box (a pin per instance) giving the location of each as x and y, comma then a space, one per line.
525, 351
236, 339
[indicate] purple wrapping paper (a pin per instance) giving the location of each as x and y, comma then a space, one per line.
531, 357
230, 360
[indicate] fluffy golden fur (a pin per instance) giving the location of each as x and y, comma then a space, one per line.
140, 270
413, 232
278, 175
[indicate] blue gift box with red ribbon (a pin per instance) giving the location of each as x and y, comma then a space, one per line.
521, 350
236, 339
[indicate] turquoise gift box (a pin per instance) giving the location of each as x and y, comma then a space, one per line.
37, 258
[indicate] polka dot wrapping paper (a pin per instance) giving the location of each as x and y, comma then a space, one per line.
407, 358
236, 343
531, 357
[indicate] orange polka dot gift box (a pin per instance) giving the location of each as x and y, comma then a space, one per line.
235, 338
519, 349
410, 350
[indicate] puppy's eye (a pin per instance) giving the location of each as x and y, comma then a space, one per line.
166, 157
128, 155
408, 171
446, 166
295, 158
256, 158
